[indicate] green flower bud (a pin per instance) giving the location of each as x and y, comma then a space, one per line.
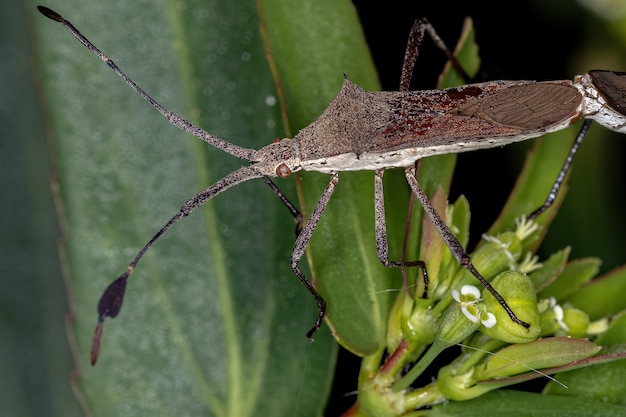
421, 326
539, 354
519, 293
495, 255
551, 317
455, 326
577, 321
562, 321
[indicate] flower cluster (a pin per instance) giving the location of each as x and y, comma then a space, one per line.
496, 350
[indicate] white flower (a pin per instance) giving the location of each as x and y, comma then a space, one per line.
529, 264
525, 227
557, 310
470, 302
503, 246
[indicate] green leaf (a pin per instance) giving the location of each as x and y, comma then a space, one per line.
601, 382
214, 320
539, 354
602, 297
503, 403
552, 268
343, 261
36, 364
615, 333
575, 274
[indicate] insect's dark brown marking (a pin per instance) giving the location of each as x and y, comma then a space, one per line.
612, 86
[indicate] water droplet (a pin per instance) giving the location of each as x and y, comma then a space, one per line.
270, 100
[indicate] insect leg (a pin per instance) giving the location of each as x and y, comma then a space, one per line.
561, 177
111, 300
295, 213
302, 241
174, 118
382, 246
416, 37
453, 243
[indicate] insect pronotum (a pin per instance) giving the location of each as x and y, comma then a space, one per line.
362, 130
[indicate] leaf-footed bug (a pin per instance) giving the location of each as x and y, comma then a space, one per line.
363, 130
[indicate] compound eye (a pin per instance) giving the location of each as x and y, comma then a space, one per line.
283, 171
